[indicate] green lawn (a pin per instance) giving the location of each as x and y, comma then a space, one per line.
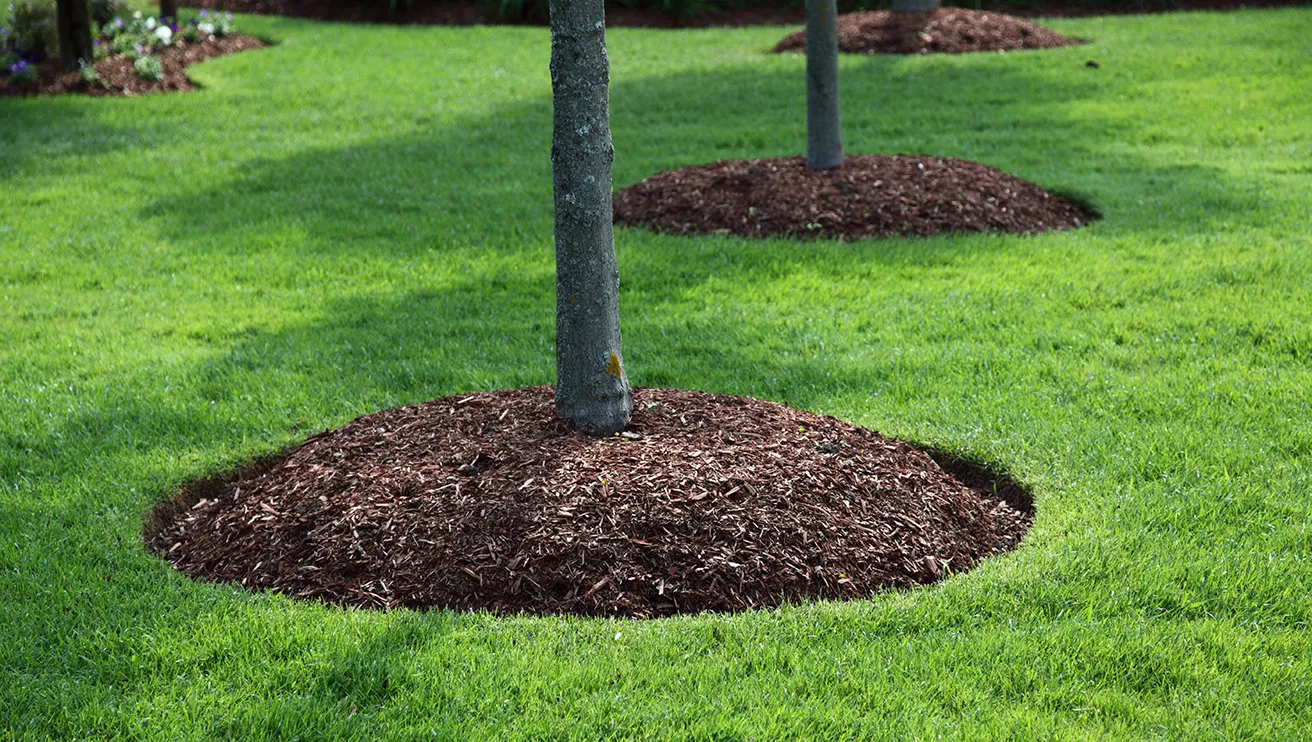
359, 218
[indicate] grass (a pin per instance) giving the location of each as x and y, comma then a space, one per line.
359, 218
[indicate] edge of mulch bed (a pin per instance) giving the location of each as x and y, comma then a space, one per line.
118, 77
475, 12
942, 31
487, 502
867, 197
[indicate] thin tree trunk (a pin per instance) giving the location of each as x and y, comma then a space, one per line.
592, 388
73, 27
168, 9
824, 135
906, 6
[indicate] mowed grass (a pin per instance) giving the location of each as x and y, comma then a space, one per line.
359, 218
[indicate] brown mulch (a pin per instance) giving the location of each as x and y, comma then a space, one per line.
119, 77
487, 501
867, 196
469, 12
942, 31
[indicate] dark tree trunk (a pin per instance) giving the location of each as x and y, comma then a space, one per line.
592, 388
168, 9
73, 26
905, 6
824, 134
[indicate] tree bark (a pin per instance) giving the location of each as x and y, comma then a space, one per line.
73, 26
592, 388
907, 6
824, 134
168, 9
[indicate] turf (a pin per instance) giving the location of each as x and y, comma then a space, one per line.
359, 218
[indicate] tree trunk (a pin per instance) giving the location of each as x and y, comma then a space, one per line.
168, 9
906, 6
592, 388
73, 26
824, 135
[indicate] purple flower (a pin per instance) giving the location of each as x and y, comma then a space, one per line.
95, 42
229, 16
173, 27
18, 67
141, 49
118, 23
203, 13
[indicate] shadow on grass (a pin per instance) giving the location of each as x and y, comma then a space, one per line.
55, 132
486, 182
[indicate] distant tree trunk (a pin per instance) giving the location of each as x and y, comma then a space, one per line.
73, 26
824, 135
592, 388
905, 6
168, 9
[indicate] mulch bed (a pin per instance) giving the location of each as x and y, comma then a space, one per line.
487, 501
468, 12
119, 77
942, 31
868, 196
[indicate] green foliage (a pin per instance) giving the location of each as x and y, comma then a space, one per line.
32, 28
87, 73
104, 11
148, 66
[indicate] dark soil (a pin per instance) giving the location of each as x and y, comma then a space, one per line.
487, 501
942, 31
867, 196
119, 77
469, 12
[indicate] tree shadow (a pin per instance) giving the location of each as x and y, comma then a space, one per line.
56, 133
485, 182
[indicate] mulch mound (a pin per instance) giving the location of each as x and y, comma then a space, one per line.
119, 77
867, 196
942, 31
487, 501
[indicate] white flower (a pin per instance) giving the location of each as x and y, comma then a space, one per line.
205, 28
137, 15
164, 33
150, 24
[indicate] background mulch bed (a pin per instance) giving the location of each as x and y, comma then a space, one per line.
942, 31
867, 196
487, 501
120, 77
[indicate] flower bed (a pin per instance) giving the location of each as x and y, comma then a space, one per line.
139, 54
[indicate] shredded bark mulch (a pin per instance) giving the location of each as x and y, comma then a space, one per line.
868, 196
487, 501
469, 12
942, 31
119, 77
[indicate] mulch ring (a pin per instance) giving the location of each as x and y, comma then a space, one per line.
487, 501
942, 31
119, 77
868, 196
